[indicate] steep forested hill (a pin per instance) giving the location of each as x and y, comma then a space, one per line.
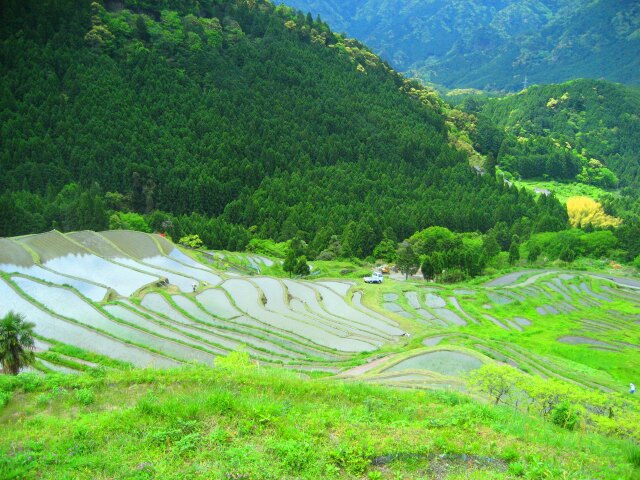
584, 129
495, 44
254, 115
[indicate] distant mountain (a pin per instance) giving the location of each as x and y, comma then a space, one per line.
259, 120
494, 44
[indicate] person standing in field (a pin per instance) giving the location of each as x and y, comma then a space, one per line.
632, 388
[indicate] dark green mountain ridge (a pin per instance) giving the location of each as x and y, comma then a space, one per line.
258, 119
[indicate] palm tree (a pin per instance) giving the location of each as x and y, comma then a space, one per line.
16, 343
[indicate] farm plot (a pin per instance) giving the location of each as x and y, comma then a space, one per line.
13, 254
217, 338
249, 337
82, 312
414, 302
51, 245
248, 298
171, 265
146, 249
203, 352
357, 303
95, 269
134, 244
277, 320
99, 245
96, 243
397, 309
217, 303
449, 317
508, 279
56, 328
341, 288
445, 362
434, 301
90, 290
574, 340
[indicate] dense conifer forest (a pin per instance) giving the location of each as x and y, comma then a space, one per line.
230, 119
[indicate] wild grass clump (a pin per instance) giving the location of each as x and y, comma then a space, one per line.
633, 455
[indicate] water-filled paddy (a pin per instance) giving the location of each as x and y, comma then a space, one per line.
90, 290
13, 254
412, 298
82, 312
575, 340
123, 280
341, 288
434, 301
166, 263
246, 296
444, 362
449, 317
217, 303
397, 309
57, 329
499, 299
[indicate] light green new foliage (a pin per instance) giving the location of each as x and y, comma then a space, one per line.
566, 405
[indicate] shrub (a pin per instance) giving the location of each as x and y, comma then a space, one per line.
191, 241
565, 415
84, 396
353, 459
128, 221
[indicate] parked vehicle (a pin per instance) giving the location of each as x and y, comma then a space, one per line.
375, 278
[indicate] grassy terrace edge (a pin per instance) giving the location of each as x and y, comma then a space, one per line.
241, 421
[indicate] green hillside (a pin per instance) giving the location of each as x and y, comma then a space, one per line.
585, 121
239, 111
494, 45
238, 422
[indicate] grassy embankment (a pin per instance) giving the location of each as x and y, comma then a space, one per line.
238, 421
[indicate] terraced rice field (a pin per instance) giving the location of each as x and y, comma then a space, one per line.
576, 327
129, 296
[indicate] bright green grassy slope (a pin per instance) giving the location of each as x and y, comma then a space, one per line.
564, 191
242, 422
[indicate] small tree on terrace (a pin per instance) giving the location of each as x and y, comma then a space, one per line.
16, 343
497, 381
408, 262
302, 267
290, 262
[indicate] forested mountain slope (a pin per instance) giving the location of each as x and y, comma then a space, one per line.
494, 45
252, 115
598, 122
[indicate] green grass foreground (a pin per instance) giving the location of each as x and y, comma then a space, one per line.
238, 421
